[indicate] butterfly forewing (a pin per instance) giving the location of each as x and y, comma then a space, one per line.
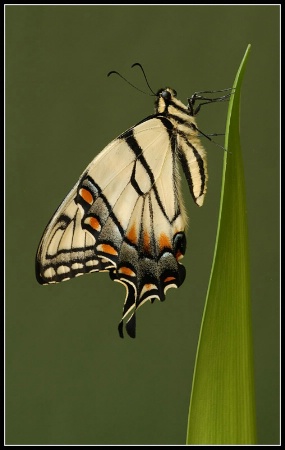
126, 213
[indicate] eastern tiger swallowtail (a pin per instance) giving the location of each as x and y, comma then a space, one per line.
125, 215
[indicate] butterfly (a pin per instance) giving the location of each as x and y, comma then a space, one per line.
125, 215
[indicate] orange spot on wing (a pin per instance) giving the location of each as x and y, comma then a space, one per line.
164, 241
132, 235
86, 195
94, 223
146, 241
127, 271
106, 248
169, 279
178, 255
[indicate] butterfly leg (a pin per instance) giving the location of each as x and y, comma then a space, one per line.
199, 96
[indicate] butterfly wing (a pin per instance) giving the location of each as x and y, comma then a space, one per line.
125, 215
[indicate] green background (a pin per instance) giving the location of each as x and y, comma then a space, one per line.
69, 378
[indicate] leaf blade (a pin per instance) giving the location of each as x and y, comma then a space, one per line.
222, 405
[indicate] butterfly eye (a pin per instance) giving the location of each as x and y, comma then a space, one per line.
166, 95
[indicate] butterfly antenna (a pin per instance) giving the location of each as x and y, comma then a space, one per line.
146, 80
127, 81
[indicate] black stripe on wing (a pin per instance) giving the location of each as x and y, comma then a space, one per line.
132, 142
185, 166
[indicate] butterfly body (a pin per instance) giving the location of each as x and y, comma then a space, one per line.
126, 214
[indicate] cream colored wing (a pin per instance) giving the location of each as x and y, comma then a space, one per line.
124, 215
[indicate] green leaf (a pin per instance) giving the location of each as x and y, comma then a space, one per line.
222, 405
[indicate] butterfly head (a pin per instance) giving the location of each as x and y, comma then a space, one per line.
164, 97
166, 93
167, 102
